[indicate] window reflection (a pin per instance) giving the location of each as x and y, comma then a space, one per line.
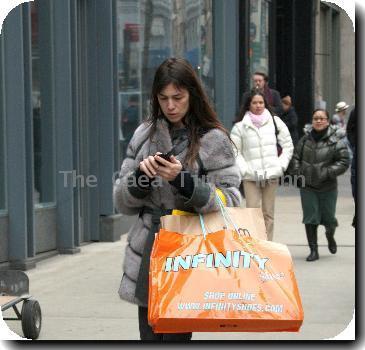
259, 36
130, 115
149, 31
36, 102
42, 116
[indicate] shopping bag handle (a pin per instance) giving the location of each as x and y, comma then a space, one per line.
227, 217
224, 215
205, 232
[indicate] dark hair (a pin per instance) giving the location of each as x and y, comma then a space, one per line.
247, 102
266, 78
200, 117
322, 110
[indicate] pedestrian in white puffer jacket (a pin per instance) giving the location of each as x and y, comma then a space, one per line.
257, 156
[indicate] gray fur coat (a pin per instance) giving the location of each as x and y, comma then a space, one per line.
216, 154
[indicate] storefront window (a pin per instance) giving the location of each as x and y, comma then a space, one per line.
2, 132
42, 115
149, 32
259, 36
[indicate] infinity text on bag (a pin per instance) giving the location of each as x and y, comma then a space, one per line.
215, 260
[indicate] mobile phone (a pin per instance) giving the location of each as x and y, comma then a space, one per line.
165, 156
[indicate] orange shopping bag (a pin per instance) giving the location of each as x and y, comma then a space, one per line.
221, 282
251, 219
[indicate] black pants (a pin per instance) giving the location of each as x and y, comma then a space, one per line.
146, 332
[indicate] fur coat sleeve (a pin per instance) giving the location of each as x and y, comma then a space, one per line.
129, 198
236, 137
217, 156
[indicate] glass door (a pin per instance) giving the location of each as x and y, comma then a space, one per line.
129, 70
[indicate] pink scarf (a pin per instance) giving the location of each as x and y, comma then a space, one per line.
259, 119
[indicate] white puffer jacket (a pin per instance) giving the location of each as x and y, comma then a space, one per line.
257, 155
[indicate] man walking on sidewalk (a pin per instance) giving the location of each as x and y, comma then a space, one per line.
261, 84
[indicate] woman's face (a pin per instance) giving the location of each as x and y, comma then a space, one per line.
257, 105
320, 121
174, 103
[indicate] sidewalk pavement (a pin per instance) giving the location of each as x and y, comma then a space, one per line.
79, 300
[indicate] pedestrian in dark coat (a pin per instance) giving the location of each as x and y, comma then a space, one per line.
183, 122
351, 136
261, 84
290, 118
320, 156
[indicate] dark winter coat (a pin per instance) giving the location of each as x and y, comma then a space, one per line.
351, 136
351, 128
217, 157
321, 162
290, 118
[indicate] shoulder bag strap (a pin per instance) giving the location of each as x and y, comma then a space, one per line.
276, 127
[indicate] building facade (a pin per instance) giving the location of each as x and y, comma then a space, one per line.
75, 82
334, 57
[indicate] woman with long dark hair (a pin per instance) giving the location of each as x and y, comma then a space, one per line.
257, 136
168, 155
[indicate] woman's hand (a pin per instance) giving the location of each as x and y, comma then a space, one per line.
149, 166
168, 170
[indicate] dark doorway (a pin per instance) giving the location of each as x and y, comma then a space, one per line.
295, 21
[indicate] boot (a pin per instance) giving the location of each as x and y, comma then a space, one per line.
332, 246
311, 231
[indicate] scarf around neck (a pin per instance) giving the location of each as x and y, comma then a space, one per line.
259, 119
317, 135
